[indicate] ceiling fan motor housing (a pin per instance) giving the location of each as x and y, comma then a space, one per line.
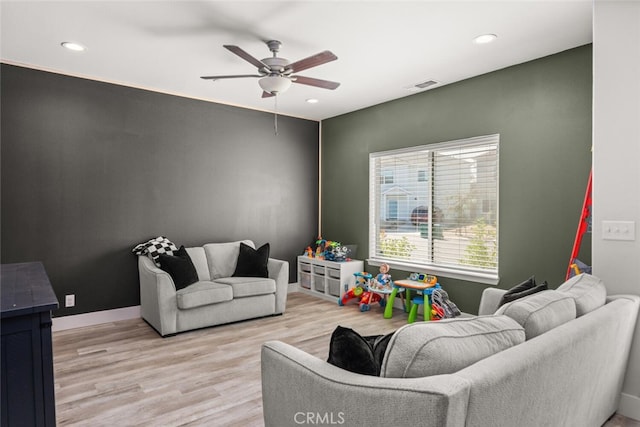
277, 65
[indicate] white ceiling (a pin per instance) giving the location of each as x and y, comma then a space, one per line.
382, 46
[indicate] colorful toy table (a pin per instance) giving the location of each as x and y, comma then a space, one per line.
384, 292
409, 285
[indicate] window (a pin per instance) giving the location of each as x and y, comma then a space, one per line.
386, 177
439, 212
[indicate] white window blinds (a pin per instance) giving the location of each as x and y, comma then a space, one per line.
434, 208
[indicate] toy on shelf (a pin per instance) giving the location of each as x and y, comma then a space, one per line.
336, 252
328, 249
320, 243
362, 280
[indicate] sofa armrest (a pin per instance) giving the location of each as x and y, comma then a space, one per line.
157, 297
279, 271
489, 301
297, 385
634, 298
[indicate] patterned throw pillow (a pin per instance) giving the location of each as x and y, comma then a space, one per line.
154, 247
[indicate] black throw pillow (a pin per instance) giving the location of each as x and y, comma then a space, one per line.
252, 262
351, 351
379, 344
528, 287
180, 268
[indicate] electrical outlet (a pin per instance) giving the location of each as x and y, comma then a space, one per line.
619, 230
70, 300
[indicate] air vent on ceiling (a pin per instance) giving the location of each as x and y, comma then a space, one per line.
426, 84
419, 86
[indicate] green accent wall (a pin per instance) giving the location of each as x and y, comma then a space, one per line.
542, 110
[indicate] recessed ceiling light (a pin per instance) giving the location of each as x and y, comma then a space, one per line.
312, 101
485, 38
76, 47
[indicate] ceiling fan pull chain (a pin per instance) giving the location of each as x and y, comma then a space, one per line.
275, 116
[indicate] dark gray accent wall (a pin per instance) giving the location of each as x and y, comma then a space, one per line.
542, 111
90, 169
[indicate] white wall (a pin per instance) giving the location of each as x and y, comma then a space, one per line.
616, 160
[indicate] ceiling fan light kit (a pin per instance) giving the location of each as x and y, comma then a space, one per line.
276, 73
274, 84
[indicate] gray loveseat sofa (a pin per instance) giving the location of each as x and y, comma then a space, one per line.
554, 358
217, 297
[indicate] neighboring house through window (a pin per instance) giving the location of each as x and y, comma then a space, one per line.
387, 177
434, 208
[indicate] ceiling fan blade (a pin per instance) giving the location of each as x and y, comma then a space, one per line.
325, 84
313, 61
237, 76
244, 55
266, 94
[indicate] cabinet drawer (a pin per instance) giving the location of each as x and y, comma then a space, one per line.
303, 266
318, 285
305, 280
333, 273
318, 270
334, 287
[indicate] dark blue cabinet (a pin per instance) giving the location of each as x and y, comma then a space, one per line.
27, 391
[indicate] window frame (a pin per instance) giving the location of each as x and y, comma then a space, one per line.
460, 271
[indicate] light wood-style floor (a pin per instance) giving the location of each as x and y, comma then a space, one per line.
125, 374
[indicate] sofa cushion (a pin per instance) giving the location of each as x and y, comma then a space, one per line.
540, 312
528, 287
199, 259
249, 286
446, 346
351, 351
588, 292
179, 267
222, 257
252, 262
203, 293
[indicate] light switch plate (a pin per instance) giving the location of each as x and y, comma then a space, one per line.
619, 230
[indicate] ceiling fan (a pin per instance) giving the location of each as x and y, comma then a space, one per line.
276, 74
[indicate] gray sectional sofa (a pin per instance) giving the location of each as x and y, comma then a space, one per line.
217, 297
554, 358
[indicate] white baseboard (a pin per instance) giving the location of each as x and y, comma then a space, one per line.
629, 406
95, 318
106, 316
